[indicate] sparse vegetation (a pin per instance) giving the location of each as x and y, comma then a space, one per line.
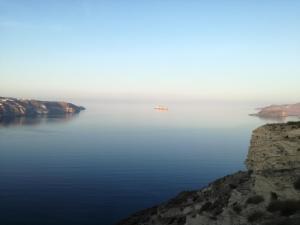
237, 208
297, 184
283, 221
206, 206
255, 216
294, 123
255, 199
286, 208
233, 186
274, 196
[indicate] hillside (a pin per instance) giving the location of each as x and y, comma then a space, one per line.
12, 107
267, 194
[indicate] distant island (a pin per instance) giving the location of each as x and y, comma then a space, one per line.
267, 194
279, 111
13, 107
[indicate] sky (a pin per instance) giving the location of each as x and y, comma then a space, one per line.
190, 49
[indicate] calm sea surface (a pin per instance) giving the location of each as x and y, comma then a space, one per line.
115, 158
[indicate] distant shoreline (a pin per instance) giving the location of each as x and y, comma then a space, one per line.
13, 107
278, 111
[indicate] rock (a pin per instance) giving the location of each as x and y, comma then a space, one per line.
279, 111
12, 107
275, 147
268, 193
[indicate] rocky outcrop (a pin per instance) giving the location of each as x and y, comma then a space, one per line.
279, 111
268, 193
12, 107
275, 147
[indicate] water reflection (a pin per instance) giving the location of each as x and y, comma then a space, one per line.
34, 121
273, 119
115, 159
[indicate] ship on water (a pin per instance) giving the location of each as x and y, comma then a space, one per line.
161, 108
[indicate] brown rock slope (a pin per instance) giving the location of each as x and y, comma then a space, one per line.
267, 194
279, 111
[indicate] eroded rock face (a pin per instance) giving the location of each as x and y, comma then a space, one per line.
12, 107
275, 147
267, 194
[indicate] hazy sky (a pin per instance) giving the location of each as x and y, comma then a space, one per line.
232, 50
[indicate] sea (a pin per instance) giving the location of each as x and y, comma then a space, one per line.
116, 158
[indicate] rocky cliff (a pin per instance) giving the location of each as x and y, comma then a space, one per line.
12, 107
267, 194
279, 111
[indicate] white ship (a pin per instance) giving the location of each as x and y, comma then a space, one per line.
162, 108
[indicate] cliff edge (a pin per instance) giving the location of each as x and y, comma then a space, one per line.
267, 194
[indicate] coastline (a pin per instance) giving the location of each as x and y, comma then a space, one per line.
13, 107
267, 193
